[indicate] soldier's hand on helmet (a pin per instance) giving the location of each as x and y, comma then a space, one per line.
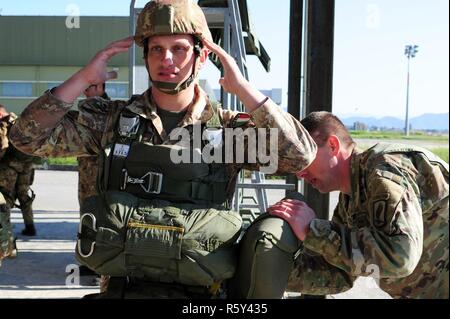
95, 72
233, 81
296, 213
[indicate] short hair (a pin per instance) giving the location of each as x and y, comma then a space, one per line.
321, 125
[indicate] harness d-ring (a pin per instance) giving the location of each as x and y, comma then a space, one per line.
94, 221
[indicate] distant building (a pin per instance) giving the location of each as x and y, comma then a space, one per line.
41, 52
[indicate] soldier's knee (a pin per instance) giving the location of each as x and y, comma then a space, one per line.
272, 232
265, 260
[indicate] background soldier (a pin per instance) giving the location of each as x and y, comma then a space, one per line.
16, 174
391, 221
164, 228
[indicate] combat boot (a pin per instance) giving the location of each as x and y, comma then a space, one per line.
29, 230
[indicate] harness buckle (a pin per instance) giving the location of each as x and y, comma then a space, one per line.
151, 182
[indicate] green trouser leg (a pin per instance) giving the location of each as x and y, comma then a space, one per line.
266, 259
26, 201
27, 210
7, 245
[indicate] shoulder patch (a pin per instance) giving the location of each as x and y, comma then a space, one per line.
241, 119
379, 217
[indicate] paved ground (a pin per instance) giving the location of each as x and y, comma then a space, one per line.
46, 266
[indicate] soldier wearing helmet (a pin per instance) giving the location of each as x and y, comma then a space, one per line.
163, 228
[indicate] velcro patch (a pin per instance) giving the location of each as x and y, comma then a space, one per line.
379, 213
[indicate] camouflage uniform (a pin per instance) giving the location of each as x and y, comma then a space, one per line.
7, 245
93, 128
87, 177
393, 227
87, 173
17, 174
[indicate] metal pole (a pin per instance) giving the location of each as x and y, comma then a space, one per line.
295, 69
319, 79
132, 56
407, 101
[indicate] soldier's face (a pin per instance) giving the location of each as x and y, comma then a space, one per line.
170, 58
321, 174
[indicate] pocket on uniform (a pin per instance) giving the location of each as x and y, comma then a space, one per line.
157, 241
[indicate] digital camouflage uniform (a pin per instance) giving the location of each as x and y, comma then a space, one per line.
17, 174
46, 128
393, 227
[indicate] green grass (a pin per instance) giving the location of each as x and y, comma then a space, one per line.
63, 161
442, 152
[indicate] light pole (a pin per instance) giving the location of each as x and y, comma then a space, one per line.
410, 52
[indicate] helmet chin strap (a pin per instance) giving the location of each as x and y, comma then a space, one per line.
175, 88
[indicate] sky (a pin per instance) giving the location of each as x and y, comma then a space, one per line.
370, 67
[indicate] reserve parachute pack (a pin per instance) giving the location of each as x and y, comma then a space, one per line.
122, 235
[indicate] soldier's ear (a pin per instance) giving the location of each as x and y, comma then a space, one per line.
203, 56
334, 144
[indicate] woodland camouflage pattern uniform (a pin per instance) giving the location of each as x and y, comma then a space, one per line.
17, 173
393, 227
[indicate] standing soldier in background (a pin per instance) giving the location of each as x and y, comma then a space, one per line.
7, 243
16, 174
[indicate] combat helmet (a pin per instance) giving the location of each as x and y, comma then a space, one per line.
170, 17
